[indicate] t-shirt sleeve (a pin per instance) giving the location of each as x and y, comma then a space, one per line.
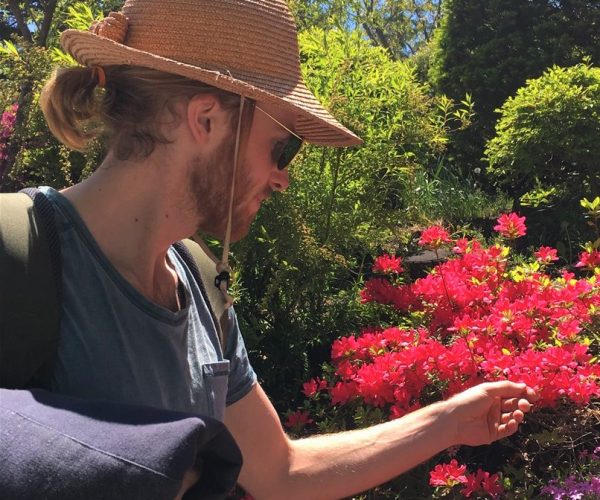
241, 374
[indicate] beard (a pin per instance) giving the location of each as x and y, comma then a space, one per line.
210, 189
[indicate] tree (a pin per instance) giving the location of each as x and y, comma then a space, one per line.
491, 48
30, 154
400, 27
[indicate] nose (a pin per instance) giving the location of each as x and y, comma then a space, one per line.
280, 180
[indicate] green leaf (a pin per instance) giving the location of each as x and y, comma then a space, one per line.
8, 48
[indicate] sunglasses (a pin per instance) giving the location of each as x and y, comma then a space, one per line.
285, 151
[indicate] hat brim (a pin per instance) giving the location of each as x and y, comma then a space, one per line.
313, 122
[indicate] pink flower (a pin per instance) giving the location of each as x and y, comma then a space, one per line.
511, 226
448, 474
387, 264
546, 255
491, 484
342, 392
589, 259
482, 482
297, 420
434, 237
461, 246
313, 386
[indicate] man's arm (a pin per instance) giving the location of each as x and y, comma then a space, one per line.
337, 465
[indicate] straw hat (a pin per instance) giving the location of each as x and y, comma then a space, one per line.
248, 47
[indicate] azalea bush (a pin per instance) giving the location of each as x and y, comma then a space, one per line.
7, 125
484, 314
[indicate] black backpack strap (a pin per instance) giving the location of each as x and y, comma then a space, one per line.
30, 289
204, 270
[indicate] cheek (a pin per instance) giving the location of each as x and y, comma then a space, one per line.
255, 172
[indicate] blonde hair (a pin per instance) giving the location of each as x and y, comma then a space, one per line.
126, 113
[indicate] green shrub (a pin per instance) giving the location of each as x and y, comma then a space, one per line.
548, 135
300, 267
546, 152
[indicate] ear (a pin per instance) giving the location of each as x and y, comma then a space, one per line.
203, 112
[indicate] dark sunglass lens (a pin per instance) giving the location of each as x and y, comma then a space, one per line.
289, 152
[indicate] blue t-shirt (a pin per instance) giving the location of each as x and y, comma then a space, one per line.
115, 344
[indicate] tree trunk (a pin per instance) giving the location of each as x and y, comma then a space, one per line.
24, 100
49, 10
14, 7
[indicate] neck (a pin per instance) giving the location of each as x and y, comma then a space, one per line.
135, 211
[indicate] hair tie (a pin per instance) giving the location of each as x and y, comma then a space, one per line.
99, 76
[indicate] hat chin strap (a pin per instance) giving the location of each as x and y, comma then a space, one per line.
222, 267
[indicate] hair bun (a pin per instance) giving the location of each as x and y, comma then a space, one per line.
114, 27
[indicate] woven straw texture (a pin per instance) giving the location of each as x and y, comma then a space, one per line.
248, 47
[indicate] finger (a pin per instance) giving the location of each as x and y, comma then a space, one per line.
493, 417
513, 404
532, 395
509, 404
507, 389
505, 430
517, 415
524, 405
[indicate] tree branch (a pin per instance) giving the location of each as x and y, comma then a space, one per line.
49, 10
13, 6
370, 33
383, 39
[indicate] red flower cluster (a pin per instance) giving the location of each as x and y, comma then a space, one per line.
297, 420
479, 321
546, 255
313, 386
589, 260
7, 124
387, 264
453, 474
434, 237
511, 226
448, 474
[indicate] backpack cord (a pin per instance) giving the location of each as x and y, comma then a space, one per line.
45, 211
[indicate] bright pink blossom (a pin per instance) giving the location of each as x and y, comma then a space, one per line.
589, 259
7, 125
434, 237
511, 226
546, 255
448, 475
482, 482
297, 420
313, 386
387, 264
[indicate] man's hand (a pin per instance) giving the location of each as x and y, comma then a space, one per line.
490, 411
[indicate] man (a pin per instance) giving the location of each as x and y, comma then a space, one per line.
203, 106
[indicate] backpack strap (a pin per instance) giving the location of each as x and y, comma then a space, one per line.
203, 267
30, 289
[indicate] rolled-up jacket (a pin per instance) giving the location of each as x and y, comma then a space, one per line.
58, 447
